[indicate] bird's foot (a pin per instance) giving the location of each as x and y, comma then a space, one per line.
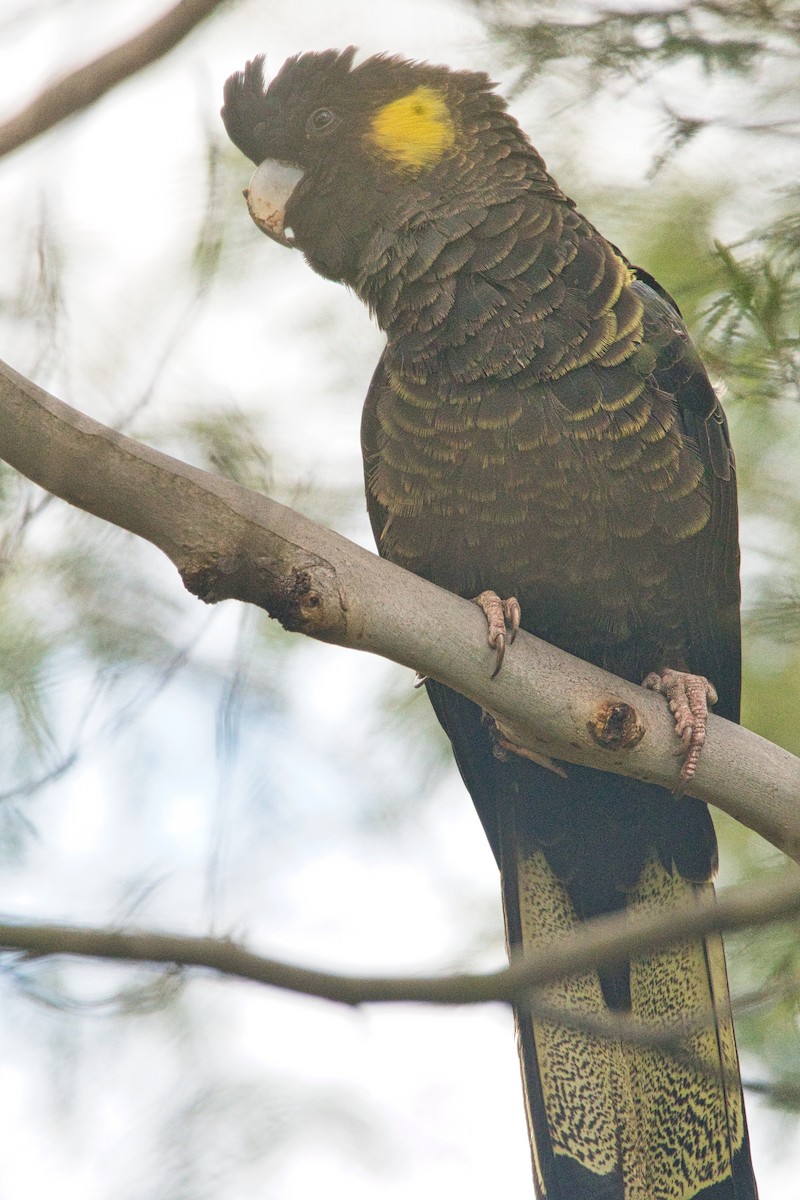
504, 744
688, 697
503, 618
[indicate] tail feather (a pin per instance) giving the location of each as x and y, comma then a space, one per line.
611, 1120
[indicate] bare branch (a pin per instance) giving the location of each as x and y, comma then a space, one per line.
601, 941
783, 1093
88, 83
228, 542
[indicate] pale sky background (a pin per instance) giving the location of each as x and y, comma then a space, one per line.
394, 1101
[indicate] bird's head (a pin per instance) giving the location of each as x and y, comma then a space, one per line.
352, 159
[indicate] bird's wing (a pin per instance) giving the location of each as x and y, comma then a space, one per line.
708, 597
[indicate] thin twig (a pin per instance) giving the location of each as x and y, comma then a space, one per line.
88, 83
605, 940
784, 1093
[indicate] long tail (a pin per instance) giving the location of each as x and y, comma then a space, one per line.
622, 1121
612, 1119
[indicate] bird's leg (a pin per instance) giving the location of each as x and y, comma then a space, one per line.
688, 697
503, 618
504, 744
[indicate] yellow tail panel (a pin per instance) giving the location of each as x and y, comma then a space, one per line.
644, 1124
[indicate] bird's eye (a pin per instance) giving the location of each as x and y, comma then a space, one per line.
322, 121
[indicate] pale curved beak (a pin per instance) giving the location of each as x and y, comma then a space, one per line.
267, 195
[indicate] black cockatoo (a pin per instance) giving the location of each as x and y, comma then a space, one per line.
539, 433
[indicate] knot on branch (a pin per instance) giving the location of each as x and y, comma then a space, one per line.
615, 725
309, 600
306, 599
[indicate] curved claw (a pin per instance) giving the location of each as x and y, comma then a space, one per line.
499, 645
513, 615
499, 615
688, 697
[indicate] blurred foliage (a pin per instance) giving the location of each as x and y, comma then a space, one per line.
94, 631
734, 37
93, 627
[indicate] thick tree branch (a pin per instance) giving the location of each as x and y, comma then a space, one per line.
604, 940
87, 84
228, 542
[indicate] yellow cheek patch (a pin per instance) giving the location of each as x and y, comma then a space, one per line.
414, 131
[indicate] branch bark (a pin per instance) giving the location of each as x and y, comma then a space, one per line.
604, 940
228, 542
88, 83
